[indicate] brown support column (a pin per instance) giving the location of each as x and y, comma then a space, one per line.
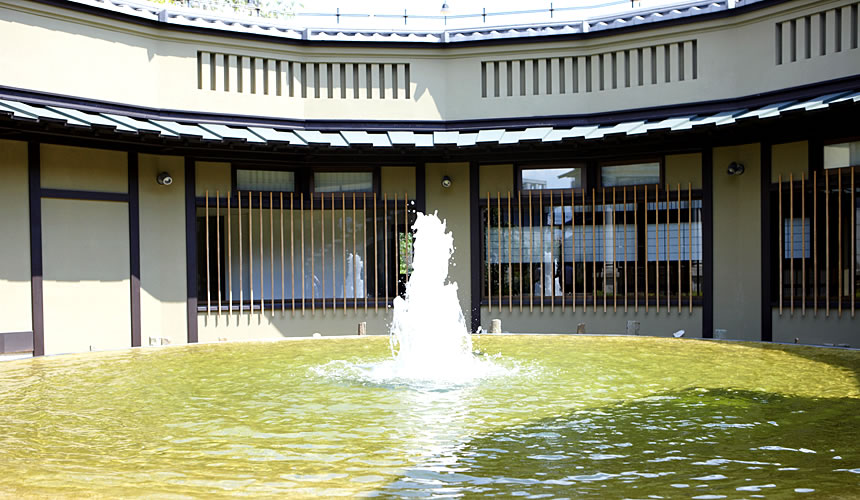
475, 220
134, 245
191, 248
708, 243
766, 244
35, 181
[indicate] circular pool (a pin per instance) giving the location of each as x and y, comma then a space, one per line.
566, 416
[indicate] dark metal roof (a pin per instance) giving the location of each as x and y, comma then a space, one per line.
207, 132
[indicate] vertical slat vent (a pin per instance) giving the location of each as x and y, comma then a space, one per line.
574, 74
818, 34
311, 80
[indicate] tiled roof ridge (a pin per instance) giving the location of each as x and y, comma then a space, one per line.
290, 29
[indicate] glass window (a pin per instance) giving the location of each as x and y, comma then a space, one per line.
592, 250
551, 178
840, 155
631, 174
265, 180
336, 182
797, 238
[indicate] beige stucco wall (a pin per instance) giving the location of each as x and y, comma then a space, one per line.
737, 243
685, 169
496, 179
84, 169
162, 250
791, 158
211, 176
662, 324
816, 329
85, 252
453, 206
158, 68
212, 328
397, 180
15, 237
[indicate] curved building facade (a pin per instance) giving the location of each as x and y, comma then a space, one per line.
172, 176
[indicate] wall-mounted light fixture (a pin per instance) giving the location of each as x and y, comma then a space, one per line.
446, 182
735, 168
164, 179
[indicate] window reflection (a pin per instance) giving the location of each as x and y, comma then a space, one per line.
551, 178
631, 174
840, 155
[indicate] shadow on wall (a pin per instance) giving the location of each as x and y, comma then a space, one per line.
110, 38
420, 90
85, 241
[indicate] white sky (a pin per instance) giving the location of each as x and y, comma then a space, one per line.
583, 9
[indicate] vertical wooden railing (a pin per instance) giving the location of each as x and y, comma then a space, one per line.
582, 272
821, 251
241, 264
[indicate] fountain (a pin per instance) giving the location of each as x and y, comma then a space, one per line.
428, 322
419, 414
429, 339
430, 344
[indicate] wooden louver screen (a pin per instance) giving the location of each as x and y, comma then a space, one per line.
291, 252
604, 249
816, 243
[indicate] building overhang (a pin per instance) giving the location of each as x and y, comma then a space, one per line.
27, 112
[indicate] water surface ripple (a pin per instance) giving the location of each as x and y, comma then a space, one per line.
574, 417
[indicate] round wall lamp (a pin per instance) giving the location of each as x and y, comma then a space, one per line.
735, 168
446, 182
164, 179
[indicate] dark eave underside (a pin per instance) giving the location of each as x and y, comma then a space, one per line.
23, 110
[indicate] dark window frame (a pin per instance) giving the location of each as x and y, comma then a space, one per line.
201, 257
592, 178
304, 178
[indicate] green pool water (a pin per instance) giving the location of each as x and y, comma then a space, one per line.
576, 416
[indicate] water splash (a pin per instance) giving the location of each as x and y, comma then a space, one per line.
429, 339
428, 323
430, 344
